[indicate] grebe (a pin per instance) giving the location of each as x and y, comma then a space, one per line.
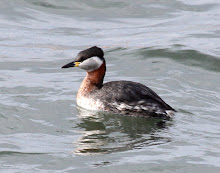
120, 97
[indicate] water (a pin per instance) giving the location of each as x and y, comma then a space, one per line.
170, 46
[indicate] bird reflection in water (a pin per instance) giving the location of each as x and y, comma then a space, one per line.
107, 133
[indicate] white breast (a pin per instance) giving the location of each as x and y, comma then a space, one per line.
90, 104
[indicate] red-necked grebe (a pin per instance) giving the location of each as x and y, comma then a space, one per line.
120, 97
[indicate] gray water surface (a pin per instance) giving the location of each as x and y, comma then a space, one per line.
170, 46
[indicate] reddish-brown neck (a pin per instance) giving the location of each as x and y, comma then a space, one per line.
93, 79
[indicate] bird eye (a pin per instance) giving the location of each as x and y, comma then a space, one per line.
82, 58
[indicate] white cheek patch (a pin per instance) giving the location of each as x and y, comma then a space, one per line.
91, 64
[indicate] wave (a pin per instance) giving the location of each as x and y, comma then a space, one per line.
187, 57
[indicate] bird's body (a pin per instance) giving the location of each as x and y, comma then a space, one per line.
121, 97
